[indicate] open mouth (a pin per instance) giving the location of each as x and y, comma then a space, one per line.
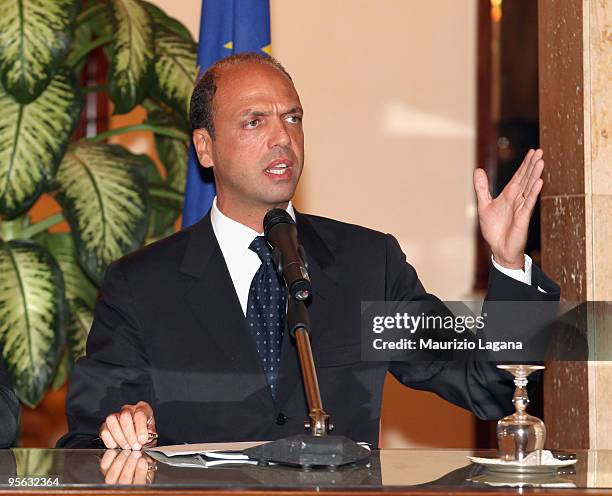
279, 168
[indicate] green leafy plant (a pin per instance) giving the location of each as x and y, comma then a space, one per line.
114, 200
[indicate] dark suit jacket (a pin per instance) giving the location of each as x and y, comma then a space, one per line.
169, 330
9, 408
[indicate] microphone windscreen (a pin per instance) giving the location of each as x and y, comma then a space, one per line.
274, 217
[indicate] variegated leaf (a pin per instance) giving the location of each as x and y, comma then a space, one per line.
80, 292
101, 27
175, 69
62, 373
78, 330
161, 225
161, 20
165, 196
35, 36
131, 65
173, 153
76, 283
82, 37
151, 170
34, 463
32, 313
13, 229
166, 206
33, 138
103, 190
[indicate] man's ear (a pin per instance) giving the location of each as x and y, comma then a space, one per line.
203, 147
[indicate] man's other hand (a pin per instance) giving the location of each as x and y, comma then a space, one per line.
504, 220
130, 428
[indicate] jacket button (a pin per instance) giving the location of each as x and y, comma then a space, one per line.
281, 419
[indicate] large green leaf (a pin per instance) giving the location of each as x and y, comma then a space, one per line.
131, 65
163, 202
62, 372
151, 170
82, 38
104, 193
97, 18
81, 294
32, 313
35, 36
166, 206
175, 69
14, 228
161, 20
76, 283
172, 153
33, 138
165, 196
80, 324
161, 224
35, 463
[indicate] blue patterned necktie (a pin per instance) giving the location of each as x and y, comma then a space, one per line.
266, 311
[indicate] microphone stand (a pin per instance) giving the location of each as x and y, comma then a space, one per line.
298, 324
317, 449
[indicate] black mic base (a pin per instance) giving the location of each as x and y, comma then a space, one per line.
307, 451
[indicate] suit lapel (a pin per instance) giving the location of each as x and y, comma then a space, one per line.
320, 260
212, 298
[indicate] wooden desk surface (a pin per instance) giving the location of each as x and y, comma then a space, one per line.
399, 471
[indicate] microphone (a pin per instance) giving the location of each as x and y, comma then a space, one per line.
281, 234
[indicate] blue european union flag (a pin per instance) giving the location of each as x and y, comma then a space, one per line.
226, 27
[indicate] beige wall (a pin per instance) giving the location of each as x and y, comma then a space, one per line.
388, 88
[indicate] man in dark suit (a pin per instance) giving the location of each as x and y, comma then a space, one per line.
9, 408
182, 343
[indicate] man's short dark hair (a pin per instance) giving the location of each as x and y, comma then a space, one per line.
201, 110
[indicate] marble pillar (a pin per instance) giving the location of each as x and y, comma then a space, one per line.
575, 82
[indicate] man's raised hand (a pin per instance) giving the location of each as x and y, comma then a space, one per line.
504, 220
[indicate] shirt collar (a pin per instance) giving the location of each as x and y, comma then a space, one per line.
234, 238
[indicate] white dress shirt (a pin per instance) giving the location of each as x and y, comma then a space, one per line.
234, 239
522, 275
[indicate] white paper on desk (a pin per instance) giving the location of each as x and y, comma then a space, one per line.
223, 451
216, 453
195, 461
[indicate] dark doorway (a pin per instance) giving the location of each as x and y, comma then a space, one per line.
507, 124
